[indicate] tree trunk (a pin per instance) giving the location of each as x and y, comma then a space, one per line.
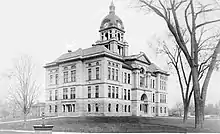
185, 115
199, 114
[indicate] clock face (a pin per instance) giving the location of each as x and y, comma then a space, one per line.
105, 25
119, 25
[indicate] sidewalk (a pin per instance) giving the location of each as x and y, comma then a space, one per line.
30, 132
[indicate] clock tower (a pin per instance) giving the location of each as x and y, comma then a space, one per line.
112, 33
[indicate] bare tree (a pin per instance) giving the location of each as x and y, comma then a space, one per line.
193, 27
24, 89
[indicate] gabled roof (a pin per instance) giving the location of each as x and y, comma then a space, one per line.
140, 57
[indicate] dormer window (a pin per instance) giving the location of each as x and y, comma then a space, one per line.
142, 70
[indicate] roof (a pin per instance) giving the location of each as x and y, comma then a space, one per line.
83, 53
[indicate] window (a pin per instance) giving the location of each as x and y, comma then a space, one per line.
97, 73
129, 108
55, 109
73, 93
128, 94
65, 76
125, 78
165, 109
97, 91
89, 108
56, 79
74, 108
63, 108
125, 108
146, 82
141, 81
96, 108
56, 94
116, 108
109, 107
153, 83
129, 79
51, 79
153, 109
116, 75
109, 91
113, 92
109, 73
113, 73
124, 94
89, 91
140, 107
161, 110
89, 74
153, 98
50, 96
116, 92
50, 108
73, 75
65, 95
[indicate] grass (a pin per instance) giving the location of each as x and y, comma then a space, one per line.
119, 124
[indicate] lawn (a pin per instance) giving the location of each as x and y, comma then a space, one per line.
119, 124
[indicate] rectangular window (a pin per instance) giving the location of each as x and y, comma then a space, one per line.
89, 74
74, 108
56, 94
89, 108
113, 74
97, 91
113, 92
109, 73
65, 93
51, 79
116, 75
146, 82
129, 79
56, 79
109, 91
116, 108
165, 109
116, 92
129, 108
97, 73
125, 78
128, 94
96, 107
73, 76
109, 107
124, 94
50, 108
153, 109
153, 98
65, 77
125, 108
141, 81
161, 110
153, 83
50, 96
55, 108
89, 91
73, 93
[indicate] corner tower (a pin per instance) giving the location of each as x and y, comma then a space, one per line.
112, 33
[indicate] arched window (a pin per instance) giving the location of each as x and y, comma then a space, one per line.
144, 97
129, 108
116, 108
119, 36
142, 70
96, 107
106, 36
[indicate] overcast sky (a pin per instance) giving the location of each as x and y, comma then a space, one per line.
45, 29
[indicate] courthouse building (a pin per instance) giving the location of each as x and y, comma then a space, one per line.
103, 80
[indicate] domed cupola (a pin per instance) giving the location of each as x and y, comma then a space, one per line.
112, 33
111, 20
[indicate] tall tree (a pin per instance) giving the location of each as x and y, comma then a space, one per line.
24, 89
192, 20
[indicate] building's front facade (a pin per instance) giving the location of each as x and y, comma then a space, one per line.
104, 80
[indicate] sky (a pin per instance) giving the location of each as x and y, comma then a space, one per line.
45, 29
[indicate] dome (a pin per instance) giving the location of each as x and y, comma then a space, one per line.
112, 20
